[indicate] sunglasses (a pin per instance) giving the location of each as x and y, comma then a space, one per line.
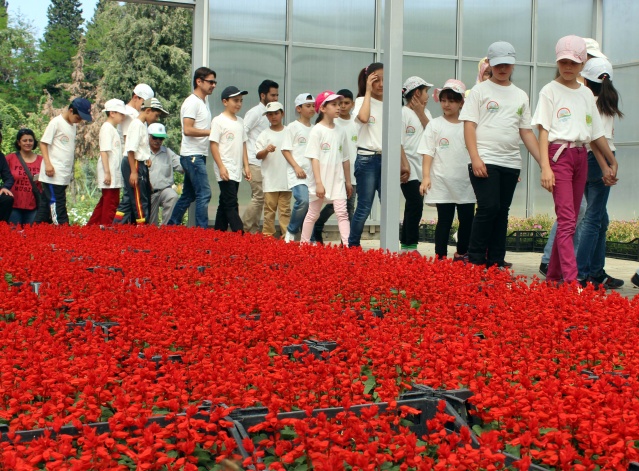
158, 138
212, 82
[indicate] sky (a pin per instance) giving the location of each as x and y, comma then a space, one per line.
35, 11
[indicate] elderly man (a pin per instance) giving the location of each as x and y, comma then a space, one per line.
163, 163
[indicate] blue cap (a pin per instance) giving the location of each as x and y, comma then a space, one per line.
83, 107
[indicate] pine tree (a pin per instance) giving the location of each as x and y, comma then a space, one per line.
65, 14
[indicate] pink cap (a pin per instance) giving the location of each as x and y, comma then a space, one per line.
324, 97
572, 48
451, 84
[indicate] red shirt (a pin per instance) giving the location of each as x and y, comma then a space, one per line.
23, 197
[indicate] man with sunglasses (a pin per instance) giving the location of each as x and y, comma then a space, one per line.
164, 163
195, 117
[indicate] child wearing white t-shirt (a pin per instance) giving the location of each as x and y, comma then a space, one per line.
568, 119
445, 180
268, 147
228, 148
328, 150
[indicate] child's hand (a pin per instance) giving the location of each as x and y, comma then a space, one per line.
133, 179
425, 186
247, 174
224, 173
372, 78
547, 179
479, 169
107, 178
49, 170
320, 191
404, 172
270, 148
349, 190
299, 172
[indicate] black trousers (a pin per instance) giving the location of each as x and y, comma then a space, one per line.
445, 216
136, 202
413, 210
494, 196
228, 211
6, 204
53, 205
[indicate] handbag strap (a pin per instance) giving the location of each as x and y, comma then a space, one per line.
28, 172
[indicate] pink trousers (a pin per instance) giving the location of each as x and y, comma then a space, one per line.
313, 213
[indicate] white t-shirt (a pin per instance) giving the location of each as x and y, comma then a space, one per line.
295, 139
274, 165
350, 128
500, 112
369, 135
137, 140
60, 137
197, 109
608, 123
330, 147
111, 144
412, 131
449, 179
254, 123
568, 114
230, 136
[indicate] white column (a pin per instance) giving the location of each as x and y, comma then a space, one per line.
392, 118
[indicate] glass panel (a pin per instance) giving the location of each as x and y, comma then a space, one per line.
435, 71
488, 21
620, 33
557, 19
625, 80
429, 26
254, 19
626, 191
336, 22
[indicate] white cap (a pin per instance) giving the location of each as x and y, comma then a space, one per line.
593, 49
412, 83
116, 105
273, 106
144, 91
595, 68
304, 98
501, 52
157, 130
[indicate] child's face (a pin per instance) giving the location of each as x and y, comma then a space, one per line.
275, 117
502, 72
152, 116
450, 108
74, 118
116, 116
307, 110
569, 70
233, 104
486, 74
378, 84
331, 109
422, 96
345, 108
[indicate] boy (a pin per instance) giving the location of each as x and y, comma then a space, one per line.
135, 166
347, 122
228, 147
299, 169
163, 163
58, 153
274, 182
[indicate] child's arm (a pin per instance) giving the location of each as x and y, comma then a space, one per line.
319, 190
427, 162
215, 152
133, 178
531, 143
245, 162
299, 171
470, 136
104, 157
48, 168
365, 111
606, 160
346, 165
404, 168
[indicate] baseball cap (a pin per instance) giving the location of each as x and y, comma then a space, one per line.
595, 68
304, 98
323, 97
157, 130
83, 107
116, 105
412, 83
451, 84
501, 52
573, 48
273, 106
593, 49
231, 91
144, 91
154, 104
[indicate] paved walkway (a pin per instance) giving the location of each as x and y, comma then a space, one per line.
527, 263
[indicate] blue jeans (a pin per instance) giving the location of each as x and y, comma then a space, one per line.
196, 188
591, 255
22, 216
368, 173
545, 258
300, 208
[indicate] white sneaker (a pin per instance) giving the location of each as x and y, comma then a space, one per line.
289, 237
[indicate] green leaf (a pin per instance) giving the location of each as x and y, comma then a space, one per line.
369, 384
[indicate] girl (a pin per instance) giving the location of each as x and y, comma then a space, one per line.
24, 203
445, 168
327, 149
415, 117
591, 254
368, 165
568, 119
496, 115
483, 72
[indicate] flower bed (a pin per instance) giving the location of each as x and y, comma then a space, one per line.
170, 337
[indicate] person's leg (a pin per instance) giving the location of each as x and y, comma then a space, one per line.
225, 204
580, 217
253, 211
445, 216
284, 210
327, 211
309, 221
125, 208
28, 217
487, 192
344, 226
202, 190
545, 258
96, 215
188, 193
168, 199
270, 206
350, 203
465, 214
6, 205
154, 216
497, 244
111, 198
43, 214
137, 197
366, 169
233, 212
15, 217
300, 207
413, 210
59, 209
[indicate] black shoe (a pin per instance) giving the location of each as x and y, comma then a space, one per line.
543, 268
606, 281
507, 264
635, 280
317, 235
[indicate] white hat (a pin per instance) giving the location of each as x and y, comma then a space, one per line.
412, 83
451, 84
144, 91
273, 106
501, 52
595, 68
116, 105
157, 130
593, 49
304, 98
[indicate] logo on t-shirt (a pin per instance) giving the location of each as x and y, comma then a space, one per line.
371, 119
443, 143
589, 120
354, 138
410, 130
229, 136
563, 115
301, 140
64, 139
492, 106
326, 147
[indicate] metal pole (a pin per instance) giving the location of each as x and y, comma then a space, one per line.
392, 118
